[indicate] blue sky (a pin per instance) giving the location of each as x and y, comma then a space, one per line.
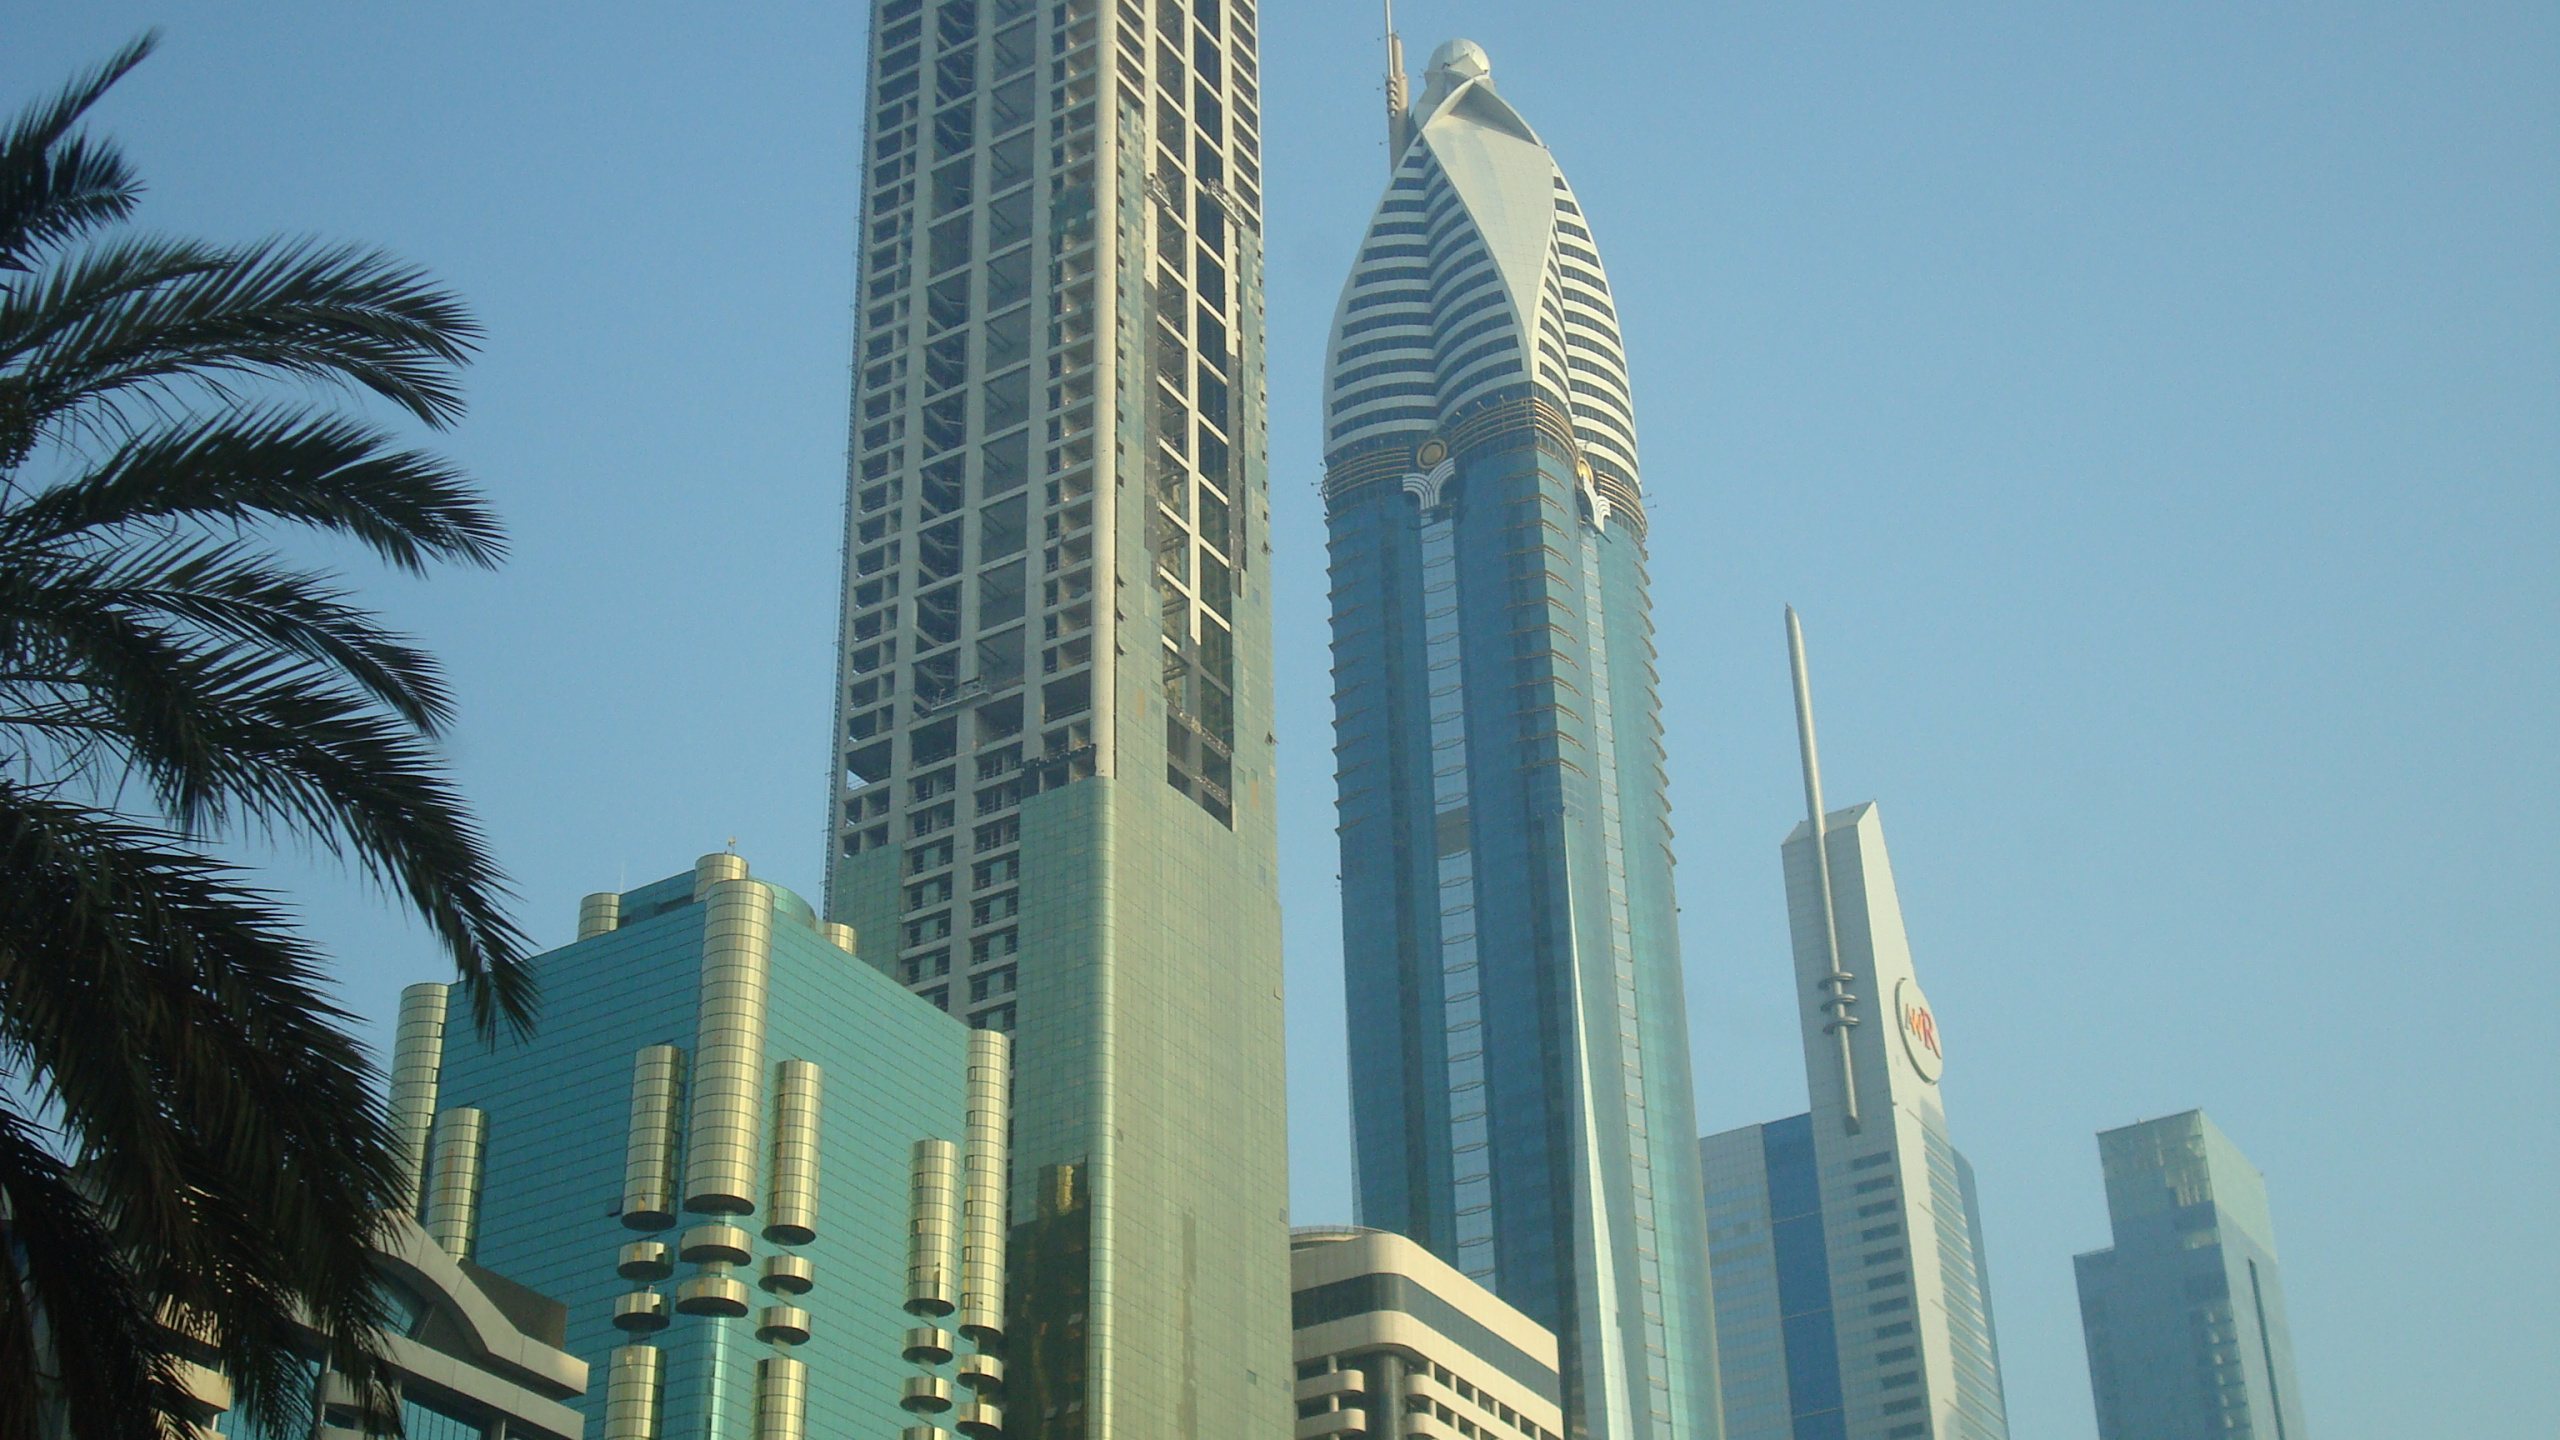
2151, 409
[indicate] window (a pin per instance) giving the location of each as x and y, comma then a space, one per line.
928, 857
989, 983
939, 997
998, 1017
999, 871
1001, 526
995, 946
1000, 590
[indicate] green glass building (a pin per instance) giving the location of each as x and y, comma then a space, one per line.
1052, 800
761, 1177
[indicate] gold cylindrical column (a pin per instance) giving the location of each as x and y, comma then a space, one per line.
789, 1274
933, 1230
782, 1398
983, 1178
453, 1193
710, 870
840, 936
599, 914
720, 1158
631, 1393
649, 1156
417, 1059
791, 1214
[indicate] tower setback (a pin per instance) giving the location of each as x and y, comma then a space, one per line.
1052, 807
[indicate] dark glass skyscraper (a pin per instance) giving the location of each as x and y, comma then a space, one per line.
1052, 806
1520, 1061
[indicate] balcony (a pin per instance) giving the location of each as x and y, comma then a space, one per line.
1338, 1382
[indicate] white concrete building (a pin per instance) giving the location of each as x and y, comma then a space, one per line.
1393, 1343
1846, 1245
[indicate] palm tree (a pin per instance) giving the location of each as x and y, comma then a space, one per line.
189, 1136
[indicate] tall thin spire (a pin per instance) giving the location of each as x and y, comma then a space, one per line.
1399, 116
1836, 997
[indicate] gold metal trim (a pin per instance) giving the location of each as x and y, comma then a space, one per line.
782, 1398
453, 1191
791, 1213
631, 1393
417, 1061
989, 1120
649, 1159
721, 1147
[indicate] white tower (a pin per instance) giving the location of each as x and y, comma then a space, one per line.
1860, 1215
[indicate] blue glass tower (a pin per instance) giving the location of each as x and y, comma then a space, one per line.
1520, 1067
2184, 1315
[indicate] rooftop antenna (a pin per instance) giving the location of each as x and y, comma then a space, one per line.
1836, 998
1399, 117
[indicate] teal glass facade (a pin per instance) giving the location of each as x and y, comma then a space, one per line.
562, 1144
2184, 1315
1520, 1069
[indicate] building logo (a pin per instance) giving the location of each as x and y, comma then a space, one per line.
1919, 1026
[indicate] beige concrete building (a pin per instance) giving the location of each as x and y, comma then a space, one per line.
476, 1357
1394, 1343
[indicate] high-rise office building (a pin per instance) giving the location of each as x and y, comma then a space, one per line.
2184, 1315
1519, 1049
1850, 1292
761, 1177
1053, 808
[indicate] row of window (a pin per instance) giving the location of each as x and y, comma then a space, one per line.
1502, 1421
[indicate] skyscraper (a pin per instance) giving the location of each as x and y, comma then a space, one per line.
1052, 809
1519, 1051
1851, 1299
2184, 1316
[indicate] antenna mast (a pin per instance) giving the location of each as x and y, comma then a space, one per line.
1399, 116
1836, 996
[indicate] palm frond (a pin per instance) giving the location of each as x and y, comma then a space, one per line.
76, 1324
330, 473
228, 734
55, 610
169, 1012
56, 186
141, 321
